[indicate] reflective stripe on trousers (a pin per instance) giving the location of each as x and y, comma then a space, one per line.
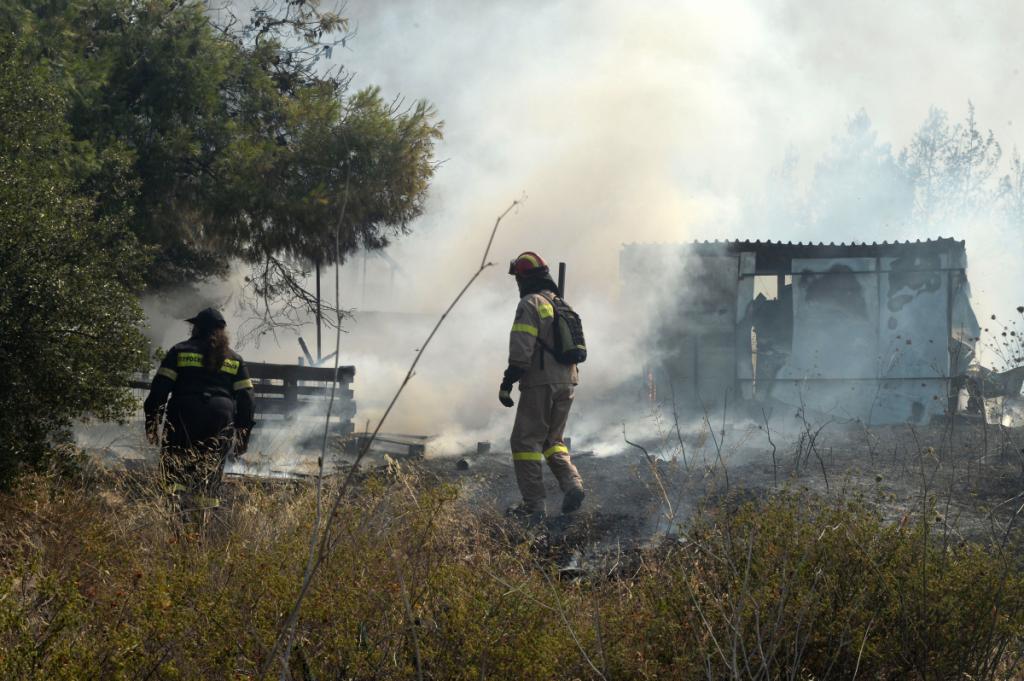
537, 436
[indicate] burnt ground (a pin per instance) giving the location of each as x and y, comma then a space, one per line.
968, 479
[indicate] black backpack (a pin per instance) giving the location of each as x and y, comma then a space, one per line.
570, 346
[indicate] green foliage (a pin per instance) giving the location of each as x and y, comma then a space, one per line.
117, 587
144, 146
243, 147
69, 338
365, 163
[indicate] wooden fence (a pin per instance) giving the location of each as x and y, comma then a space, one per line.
289, 392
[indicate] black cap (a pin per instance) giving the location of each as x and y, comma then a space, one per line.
208, 319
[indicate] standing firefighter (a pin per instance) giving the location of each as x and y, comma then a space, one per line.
544, 365
210, 409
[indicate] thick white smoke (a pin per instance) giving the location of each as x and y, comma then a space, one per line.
641, 121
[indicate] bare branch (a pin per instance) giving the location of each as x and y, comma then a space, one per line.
327, 541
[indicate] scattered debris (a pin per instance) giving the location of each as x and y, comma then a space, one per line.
395, 445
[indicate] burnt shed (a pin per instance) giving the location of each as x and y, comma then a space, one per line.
877, 332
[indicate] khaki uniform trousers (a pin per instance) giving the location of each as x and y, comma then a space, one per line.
537, 437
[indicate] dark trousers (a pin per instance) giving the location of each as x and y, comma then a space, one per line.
197, 439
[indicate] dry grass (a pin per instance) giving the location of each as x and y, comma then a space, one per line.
98, 579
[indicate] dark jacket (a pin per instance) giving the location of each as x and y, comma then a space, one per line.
202, 402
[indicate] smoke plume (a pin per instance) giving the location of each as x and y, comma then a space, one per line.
640, 122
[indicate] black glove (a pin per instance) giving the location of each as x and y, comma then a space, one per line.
505, 394
512, 374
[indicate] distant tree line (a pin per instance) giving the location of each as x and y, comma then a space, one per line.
946, 178
146, 145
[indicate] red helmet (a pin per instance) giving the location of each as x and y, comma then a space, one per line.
527, 264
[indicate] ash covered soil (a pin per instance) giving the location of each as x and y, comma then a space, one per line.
966, 478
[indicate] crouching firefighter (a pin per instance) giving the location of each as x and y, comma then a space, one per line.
209, 413
545, 345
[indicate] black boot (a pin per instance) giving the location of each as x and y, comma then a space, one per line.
572, 500
525, 515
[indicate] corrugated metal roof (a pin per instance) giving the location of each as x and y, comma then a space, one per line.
810, 249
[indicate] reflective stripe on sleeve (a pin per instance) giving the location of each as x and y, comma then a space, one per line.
545, 310
189, 359
527, 456
556, 449
244, 384
167, 372
230, 366
524, 328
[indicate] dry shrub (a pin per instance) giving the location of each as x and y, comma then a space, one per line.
799, 588
100, 580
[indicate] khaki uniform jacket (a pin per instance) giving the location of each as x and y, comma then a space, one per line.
534, 322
